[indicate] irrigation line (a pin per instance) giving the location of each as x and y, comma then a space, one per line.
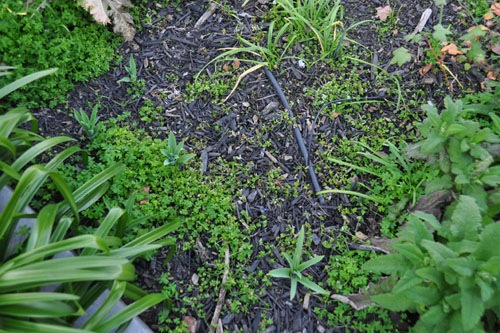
298, 135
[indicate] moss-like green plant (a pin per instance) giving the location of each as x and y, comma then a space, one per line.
48, 34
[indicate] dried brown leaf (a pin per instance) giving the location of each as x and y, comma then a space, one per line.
97, 8
357, 301
495, 8
383, 12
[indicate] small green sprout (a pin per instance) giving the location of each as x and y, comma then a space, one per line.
131, 70
89, 124
175, 152
294, 272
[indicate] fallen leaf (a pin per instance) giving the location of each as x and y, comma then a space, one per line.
97, 9
451, 49
491, 76
236, 64
357, 301
190, 323
383, 12
400, 56
495, 48
495, 7
361, 236
225, 67
335, 114
488, 16
423, 70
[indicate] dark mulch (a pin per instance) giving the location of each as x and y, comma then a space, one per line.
171, 46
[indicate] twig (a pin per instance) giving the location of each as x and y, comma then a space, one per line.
222, 294
440, 63
211, 9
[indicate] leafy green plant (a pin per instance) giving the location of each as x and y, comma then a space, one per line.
131, 70
462, 150
39, 37
397, 183
448, 272
90, 124
137, 85
32, 262
317, 20
294, 272
174, 153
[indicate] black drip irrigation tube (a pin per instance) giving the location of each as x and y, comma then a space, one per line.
298, 135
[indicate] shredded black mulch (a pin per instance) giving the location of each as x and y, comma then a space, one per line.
171, 47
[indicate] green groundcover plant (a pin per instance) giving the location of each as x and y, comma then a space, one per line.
40, 290
448, 269
448, 272
40, 34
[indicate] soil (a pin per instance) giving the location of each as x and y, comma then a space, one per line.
170, 47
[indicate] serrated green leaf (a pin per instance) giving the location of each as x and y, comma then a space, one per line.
476, 53
433, 316
464, 266
431, 274
487, 290
433, 144
439, 183
439, 252
429, 219
475, 33
411, 252
390, 264
466, 218
408, 280
423, 295
441, 32
400, 56
489, 245
470, 301
454, 129
394, 302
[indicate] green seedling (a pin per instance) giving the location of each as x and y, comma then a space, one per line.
131, 70
294, 272
89, 124
175, 153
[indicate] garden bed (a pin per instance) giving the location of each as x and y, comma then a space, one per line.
248, 191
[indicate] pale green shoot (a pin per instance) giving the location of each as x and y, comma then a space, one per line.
294, 272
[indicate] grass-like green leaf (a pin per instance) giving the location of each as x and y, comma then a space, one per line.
114, 296
309, 263
280, 273
24, 81
313, 286
130, 312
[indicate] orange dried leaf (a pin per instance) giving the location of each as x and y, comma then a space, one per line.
225, 67
495, 8
383, 12
451, 49
488, 16
491, 76
423, 70
236, 64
